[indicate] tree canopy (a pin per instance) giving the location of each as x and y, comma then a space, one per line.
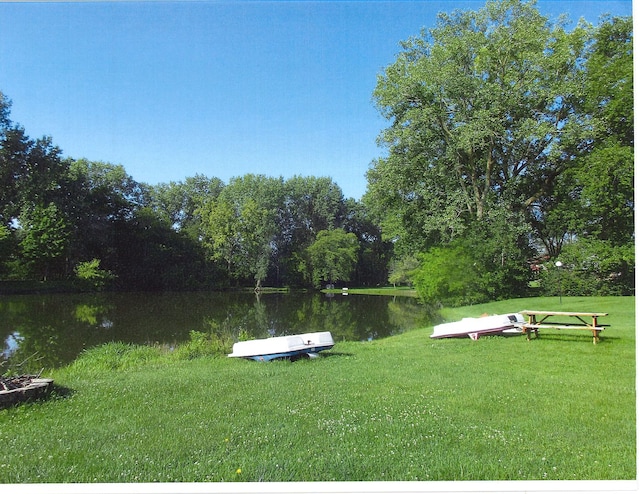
332, 257
91, 223
483, 113
501, 113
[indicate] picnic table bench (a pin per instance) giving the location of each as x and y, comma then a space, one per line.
539, 319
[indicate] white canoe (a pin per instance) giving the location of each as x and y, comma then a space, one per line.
473, 327
283, 346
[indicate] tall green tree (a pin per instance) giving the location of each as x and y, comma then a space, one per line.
598, 255
101, 198
332, 256
109, 192
311, 204
400, 270
595, 197
220, 233
374, 252
14, 155
606, 171
31, 171
240, 226
33, 199
9, 137
44, 239
178, 202
609, 83
483, 113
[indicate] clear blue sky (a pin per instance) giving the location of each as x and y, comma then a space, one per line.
174, 89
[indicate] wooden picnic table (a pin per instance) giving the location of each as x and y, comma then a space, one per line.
540, 319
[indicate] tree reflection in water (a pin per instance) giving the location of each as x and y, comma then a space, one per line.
52, 330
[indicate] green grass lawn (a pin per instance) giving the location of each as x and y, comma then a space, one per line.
403, 408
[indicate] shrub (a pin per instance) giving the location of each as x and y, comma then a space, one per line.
115, 356
203, 344
471, 271
590, 268
447, 275
91, 277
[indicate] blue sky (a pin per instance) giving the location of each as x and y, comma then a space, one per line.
174, 89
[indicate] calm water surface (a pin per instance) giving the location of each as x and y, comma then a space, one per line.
52, 330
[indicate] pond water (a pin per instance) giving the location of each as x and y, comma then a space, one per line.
49, 331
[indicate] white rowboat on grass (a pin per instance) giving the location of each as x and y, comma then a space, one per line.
307, 344
474, 327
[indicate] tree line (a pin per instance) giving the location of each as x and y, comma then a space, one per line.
91, 222
509, 148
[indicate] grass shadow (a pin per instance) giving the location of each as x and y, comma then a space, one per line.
574, 337
320, 355
335, 354
61, 392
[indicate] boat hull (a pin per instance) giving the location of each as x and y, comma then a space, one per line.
474, 327
307, 344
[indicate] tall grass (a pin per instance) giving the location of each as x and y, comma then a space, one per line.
404, 408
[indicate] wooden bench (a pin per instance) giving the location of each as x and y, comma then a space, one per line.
538, 319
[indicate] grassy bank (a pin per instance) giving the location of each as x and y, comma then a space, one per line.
403, 408
387, 291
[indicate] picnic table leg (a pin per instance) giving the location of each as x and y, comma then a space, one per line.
535, 330
596, 333
527, 327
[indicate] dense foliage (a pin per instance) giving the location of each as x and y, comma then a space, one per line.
509, 147
509, 138
91, 223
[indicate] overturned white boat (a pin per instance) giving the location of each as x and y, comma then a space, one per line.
474, 327
307, 344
